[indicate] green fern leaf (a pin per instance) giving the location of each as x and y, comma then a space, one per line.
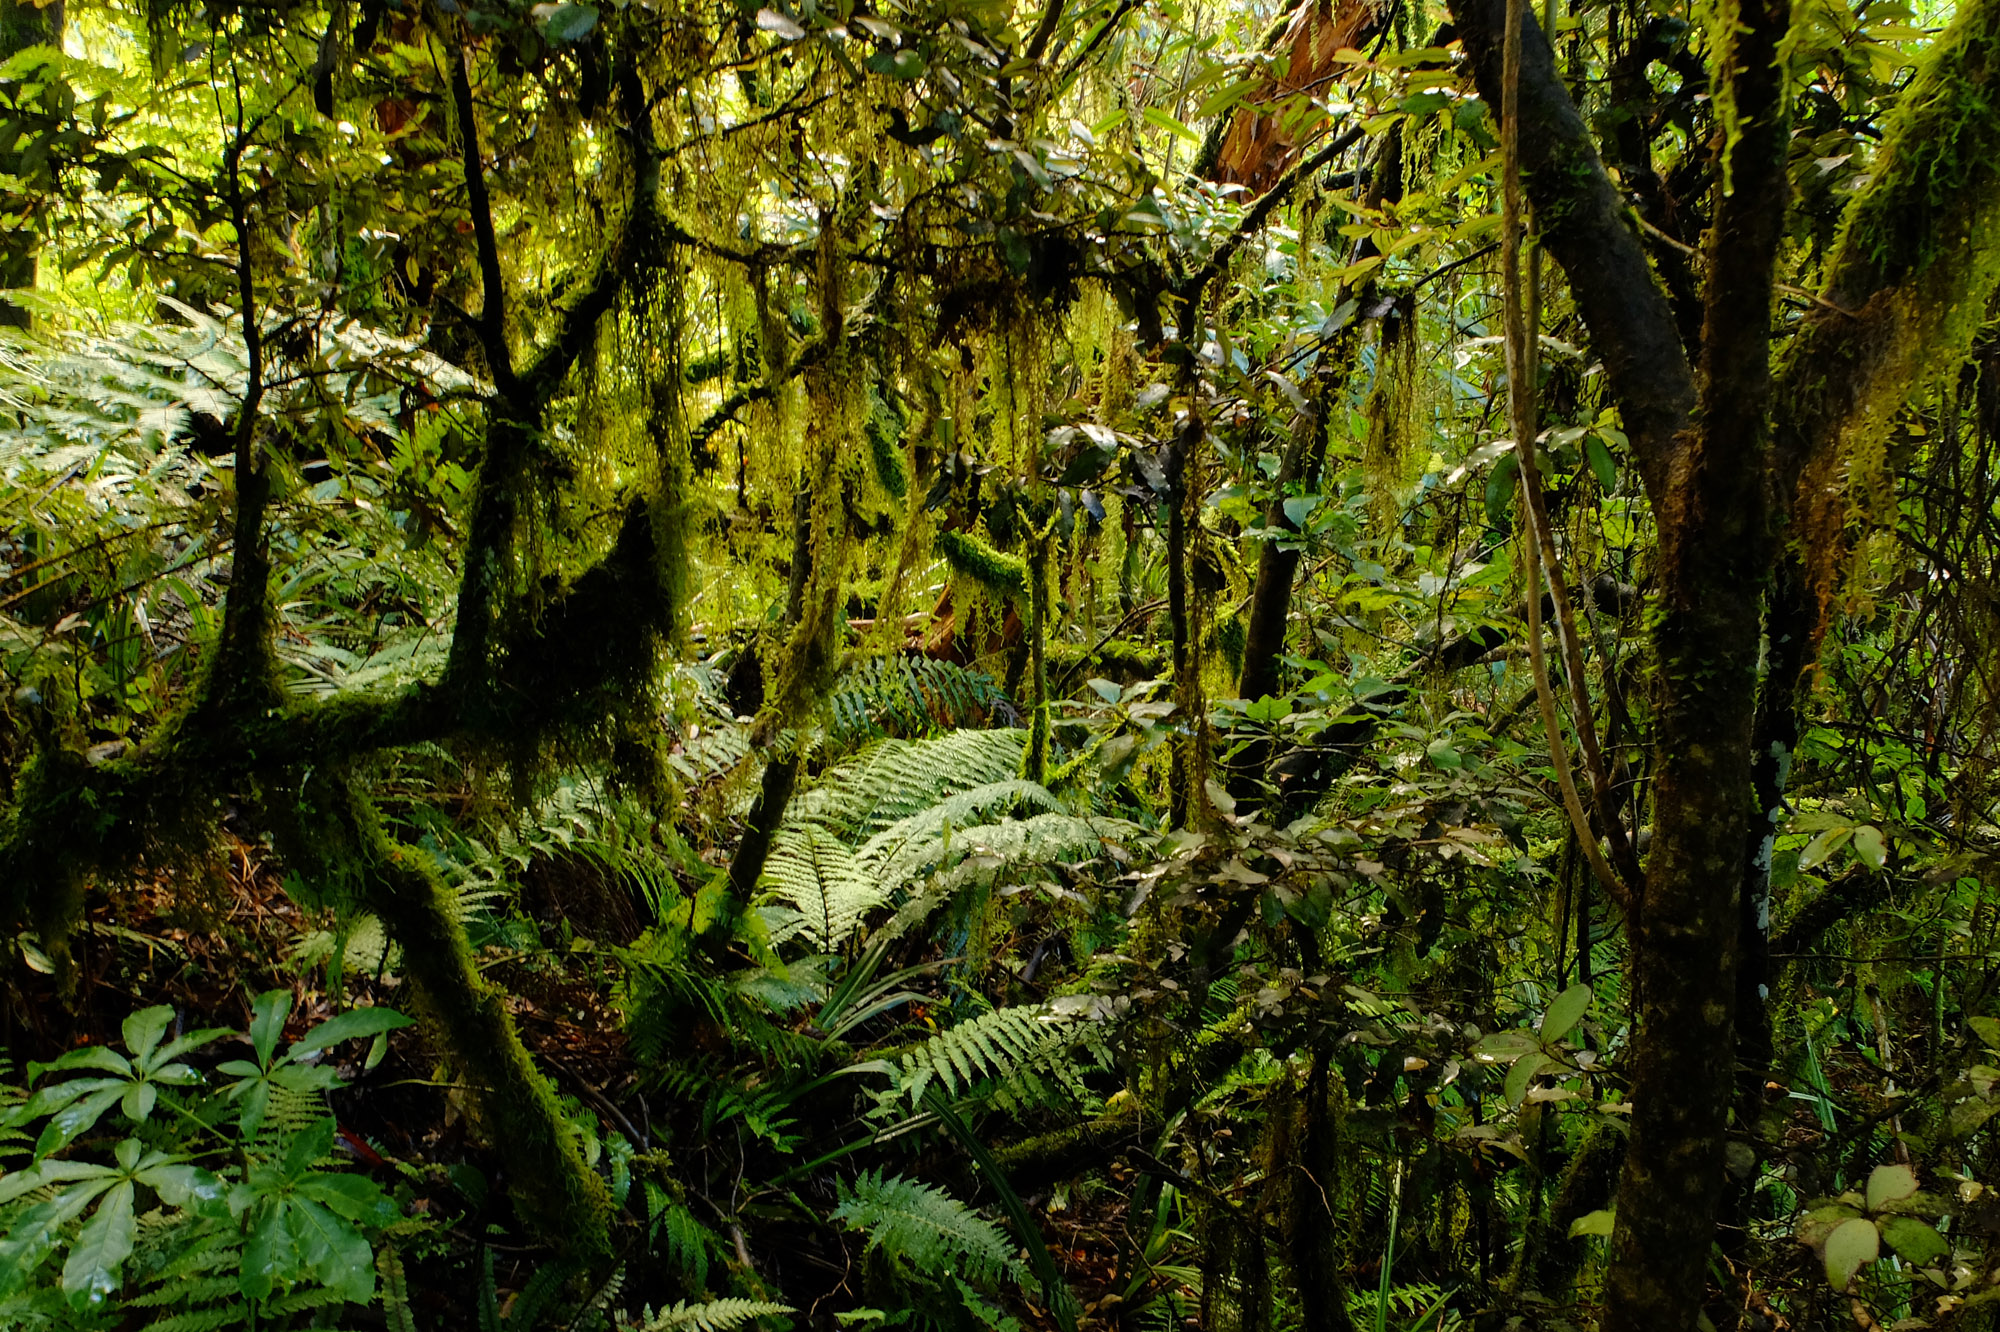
1022, 1050
893, 779
820, 880
928, 1229
714, 1316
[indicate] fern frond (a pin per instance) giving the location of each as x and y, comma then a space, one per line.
683, 1240
905, 848
927, 1228
592, 1313
812, 873
762, 1110
714, 1316
396, 1311
914, 696
894, 779
1019, 1049
202, 1320
983, 853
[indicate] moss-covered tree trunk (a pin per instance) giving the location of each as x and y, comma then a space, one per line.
556, 1194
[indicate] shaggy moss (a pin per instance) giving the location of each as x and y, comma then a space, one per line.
996, 573
1936, 184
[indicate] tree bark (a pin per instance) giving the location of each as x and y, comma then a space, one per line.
22, 25
1583, 224
1715, 556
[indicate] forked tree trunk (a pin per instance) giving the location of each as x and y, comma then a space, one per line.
1715, 558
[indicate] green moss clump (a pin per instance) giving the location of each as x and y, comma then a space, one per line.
1941, 152
999, 574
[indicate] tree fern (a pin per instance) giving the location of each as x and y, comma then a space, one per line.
927, 1229
714, 1316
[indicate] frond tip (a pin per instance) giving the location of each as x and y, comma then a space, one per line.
714, 1316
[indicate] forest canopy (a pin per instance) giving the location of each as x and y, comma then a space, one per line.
969, 665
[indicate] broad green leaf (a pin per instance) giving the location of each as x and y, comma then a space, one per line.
1987, 1029
1506, 1044
144, 1029
267, 1022
1870, 847
312, 1145
1602, 466
1888, 1183
22, 1182
1522, 1073
305, 1077
1500, 488
1298, 508
1824, 845
571, 22
1565, 1011
256, 1104
337, 1253
1593, 1223
90, 1056
1852, 1245
270, 1255
1161, 120
352, 1025
189, 1186
33, 1236
138, 1100
91, 1273
1917, 1241
76, 1119
355, 1197
180, 1045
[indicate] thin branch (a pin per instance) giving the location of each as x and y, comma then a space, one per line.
1254, 219
1521, 407
490, 325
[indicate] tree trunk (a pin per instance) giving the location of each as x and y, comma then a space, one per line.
781, 774
557, 1195
1715, 557
22, 25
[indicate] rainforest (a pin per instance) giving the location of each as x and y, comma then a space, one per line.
1000, 665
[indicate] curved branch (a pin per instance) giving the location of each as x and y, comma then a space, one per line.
1584, 224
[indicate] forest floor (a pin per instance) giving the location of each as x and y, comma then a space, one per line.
206, 945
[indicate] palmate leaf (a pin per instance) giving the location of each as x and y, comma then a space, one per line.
91, 1274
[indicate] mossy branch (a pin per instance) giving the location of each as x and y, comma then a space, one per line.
995, 572
1910, 280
